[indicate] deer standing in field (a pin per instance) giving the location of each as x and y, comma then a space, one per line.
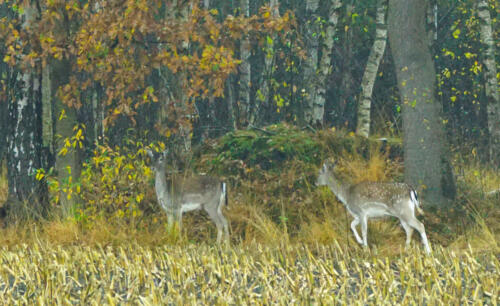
182, 194
375, 199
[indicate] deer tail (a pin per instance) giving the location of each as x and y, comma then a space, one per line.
414, 200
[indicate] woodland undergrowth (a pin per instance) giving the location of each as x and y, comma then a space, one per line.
272, 196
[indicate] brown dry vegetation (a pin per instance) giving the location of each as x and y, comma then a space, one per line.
290, 243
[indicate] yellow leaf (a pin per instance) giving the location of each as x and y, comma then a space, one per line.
469, 55
39, 176
456, 33
62, 115
63, 151
453, 98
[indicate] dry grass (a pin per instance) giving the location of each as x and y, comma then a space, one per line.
255, 274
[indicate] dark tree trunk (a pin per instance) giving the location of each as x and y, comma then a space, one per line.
68, 165
313, 113
25, 154
3, 110
27, 195
4, 81
426, 156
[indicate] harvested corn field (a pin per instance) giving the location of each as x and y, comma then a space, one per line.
41, 274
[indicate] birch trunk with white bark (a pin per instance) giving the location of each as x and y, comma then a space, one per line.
311, 37
370, 75
491, 81
27, 195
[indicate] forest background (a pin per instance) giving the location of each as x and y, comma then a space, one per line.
258, 93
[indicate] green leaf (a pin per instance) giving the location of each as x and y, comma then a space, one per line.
269, 40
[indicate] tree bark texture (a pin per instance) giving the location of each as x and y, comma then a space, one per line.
325, 66
47, 118
311, 37
426, 160
432, 21
244, 69
491, 81
24, 152
4, 80
27, 195
370, 74
68, 166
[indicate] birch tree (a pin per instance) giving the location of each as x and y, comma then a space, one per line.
325, 66
244, 70
370, 75
311, 37
432, 21
27, 194
491, 81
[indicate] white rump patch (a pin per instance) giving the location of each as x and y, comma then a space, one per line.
223, 195
414, 197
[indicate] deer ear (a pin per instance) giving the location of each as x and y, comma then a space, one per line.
325, 166
150, 153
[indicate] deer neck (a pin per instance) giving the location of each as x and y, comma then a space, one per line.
161, 183
339, 189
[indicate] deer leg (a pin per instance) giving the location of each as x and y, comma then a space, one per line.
409, 231
420, 228
214, 216
170, 220
355, 223
179, 220
364, 230
222, 202
224, 224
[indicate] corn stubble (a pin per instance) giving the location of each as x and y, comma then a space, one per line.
204, 274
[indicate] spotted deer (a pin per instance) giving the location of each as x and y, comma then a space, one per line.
179, 194
375, 199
